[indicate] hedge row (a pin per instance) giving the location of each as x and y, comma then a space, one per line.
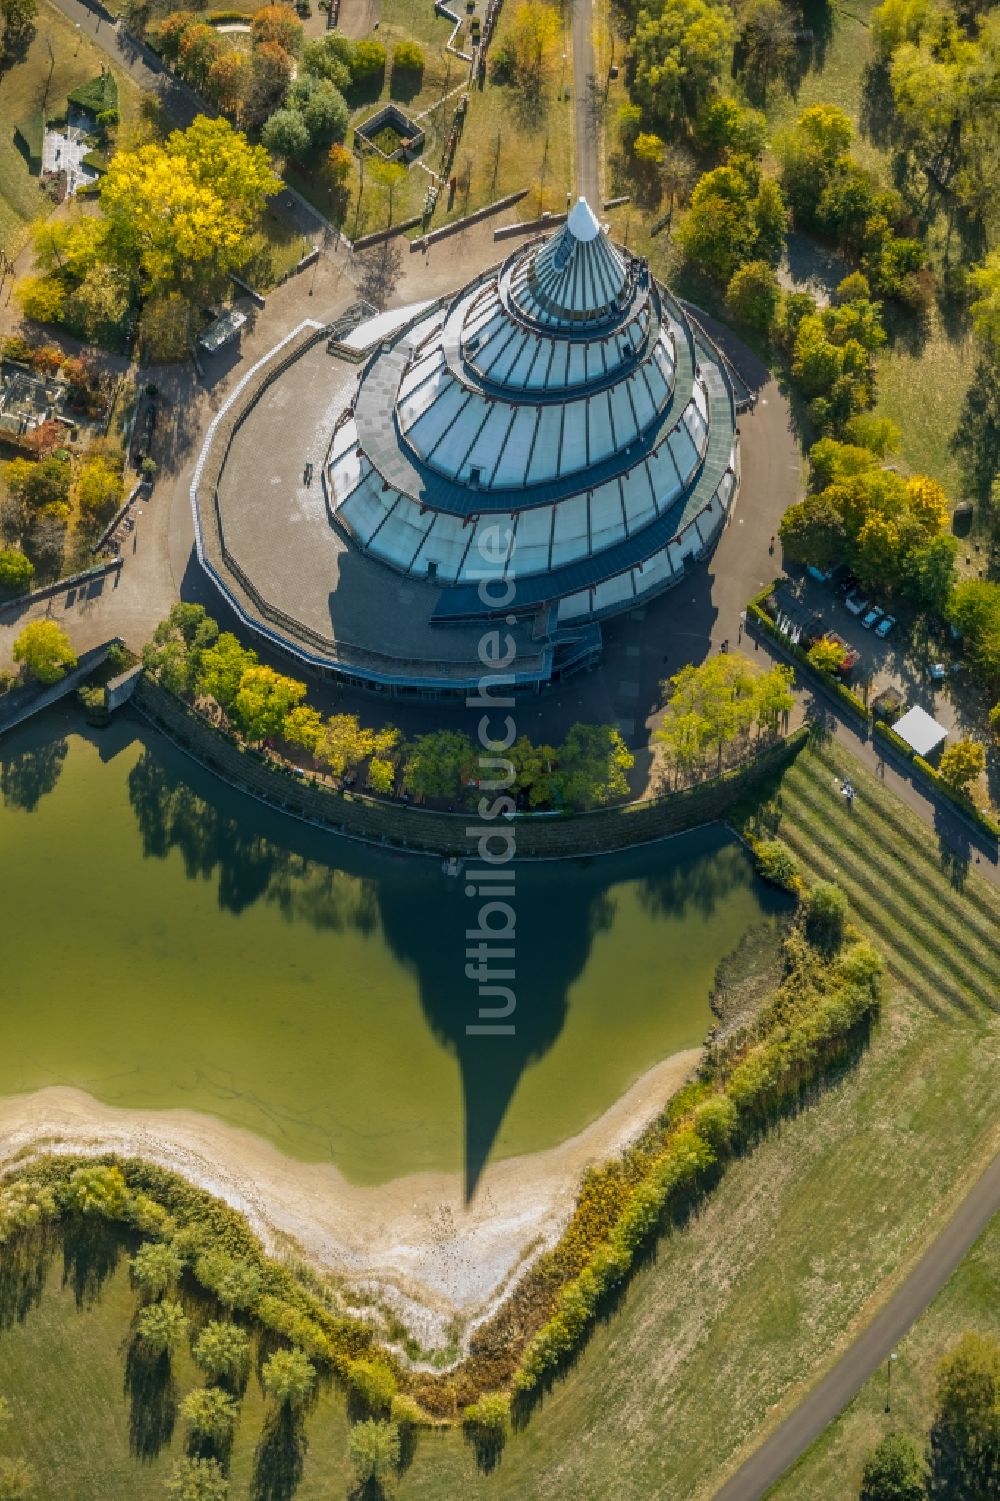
805, 1040
930, 774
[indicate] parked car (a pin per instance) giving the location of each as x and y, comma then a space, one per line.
855, 604
885, 625
938, 671
821, 575
871, 616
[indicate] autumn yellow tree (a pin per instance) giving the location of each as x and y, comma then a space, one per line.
179, 215
533, 35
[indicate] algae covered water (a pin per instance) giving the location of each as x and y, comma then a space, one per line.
171, 943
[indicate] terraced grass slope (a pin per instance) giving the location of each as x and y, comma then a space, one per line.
939, 934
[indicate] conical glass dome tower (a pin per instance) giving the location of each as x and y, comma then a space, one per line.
563, 396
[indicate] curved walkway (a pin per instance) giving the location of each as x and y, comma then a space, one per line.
840, 1385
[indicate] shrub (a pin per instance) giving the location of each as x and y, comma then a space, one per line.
490, 1415
161, 1326
825, 909
16, 571
367, 59
776, 863
374, 1383
407, 57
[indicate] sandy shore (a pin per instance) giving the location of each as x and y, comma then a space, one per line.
413, 1241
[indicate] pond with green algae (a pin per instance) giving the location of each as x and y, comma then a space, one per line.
172, 943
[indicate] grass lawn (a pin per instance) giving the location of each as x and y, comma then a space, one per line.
535, 148
971, 1300
740, 1308
74, 60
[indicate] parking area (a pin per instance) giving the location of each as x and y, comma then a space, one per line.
920, 661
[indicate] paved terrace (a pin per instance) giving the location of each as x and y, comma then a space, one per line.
336, 602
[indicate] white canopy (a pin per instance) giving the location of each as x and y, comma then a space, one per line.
920, 730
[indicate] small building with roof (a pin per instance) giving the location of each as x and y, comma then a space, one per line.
921, 731
550, 446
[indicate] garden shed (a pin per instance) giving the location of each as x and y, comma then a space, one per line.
921, 731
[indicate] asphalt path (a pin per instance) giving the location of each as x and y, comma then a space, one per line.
588, 181
872, 1348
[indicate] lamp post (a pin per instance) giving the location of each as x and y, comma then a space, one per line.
79, 36
888, 1381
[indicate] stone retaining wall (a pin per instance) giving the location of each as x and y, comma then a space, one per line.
404, 827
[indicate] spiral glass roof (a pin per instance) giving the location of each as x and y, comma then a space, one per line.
559, 390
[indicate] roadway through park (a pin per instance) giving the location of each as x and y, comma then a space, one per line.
873, 1346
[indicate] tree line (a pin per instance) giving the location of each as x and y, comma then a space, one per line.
193, 659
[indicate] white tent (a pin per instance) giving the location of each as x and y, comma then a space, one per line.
920, 730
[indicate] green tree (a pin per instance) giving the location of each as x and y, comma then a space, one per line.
438, 763
965, 1435
736, 216
43, 649
161, 1326
198, 1480
367, 59
235, 1281
374, 1451
155, 1268
287, 134
221, 668
594, 763
974, 608
222, 1351
210, 1413
40, 486
812, 531
825, 909
680, 50
894, 1471
753, 295
323, 108
929, 575
985, 308
288, 1378
766, 44
16, 571
407, 58
808, 153
328, 57
962, 763
776, 863
263, 701
490, 1414
18, 17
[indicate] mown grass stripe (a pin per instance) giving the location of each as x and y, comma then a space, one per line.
857, 838
931, 956
906, 963
888, 811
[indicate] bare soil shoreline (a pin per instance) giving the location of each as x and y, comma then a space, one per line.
413, 1242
